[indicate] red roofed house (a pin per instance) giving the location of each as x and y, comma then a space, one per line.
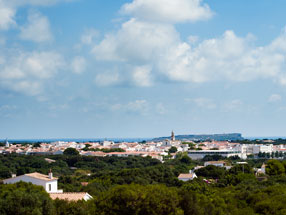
71, 196
187, 177
50, 184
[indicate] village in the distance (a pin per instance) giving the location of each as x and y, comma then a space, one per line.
158, 148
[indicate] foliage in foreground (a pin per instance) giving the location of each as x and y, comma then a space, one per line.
137, 185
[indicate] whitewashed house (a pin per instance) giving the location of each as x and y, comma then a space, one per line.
49, 182
215, 163
262, 170
187, 177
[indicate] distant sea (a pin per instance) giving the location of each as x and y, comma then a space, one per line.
79, 140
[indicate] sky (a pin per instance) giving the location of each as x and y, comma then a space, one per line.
141, 68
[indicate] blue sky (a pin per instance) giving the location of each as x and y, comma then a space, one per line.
141, 68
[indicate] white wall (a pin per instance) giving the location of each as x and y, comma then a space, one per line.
54, 186
35, 181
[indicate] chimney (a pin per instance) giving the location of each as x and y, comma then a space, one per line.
50, 174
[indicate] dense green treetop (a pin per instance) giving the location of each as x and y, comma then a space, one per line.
71, 151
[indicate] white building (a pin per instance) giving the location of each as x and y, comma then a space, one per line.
262, 148
215, 163
262, 170
49, 182
107, 143
7, 145
187, 177
218, 164
200, 154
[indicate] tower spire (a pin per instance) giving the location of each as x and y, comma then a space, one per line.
173, 136
7, 143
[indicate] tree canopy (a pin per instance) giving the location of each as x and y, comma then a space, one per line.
71, 151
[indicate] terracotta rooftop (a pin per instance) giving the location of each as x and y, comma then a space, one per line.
84, 183
41, 176
186, 175
215, 162
68, 196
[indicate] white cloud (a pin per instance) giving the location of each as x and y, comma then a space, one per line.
7, 15
107, 79
8, 9
141, 76
228, 57
168, 11
136, 41
37, 29
78, 65
274, 98
26, 72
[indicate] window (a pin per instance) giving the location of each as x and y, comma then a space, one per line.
50, 187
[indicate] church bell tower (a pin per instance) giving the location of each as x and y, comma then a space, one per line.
173, 136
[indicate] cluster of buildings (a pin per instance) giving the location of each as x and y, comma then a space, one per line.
228, 149
157, 150
223, 164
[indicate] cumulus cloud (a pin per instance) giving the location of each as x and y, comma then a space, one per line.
37, 29
26, 72
8, 9
168, 11
7, 15
136, 41
150, 38
274, 98
228, 57
141, 76
78, 65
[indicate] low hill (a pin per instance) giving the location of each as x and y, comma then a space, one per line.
203, 137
